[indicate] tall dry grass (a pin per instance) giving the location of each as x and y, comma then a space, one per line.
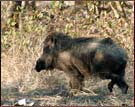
22, 47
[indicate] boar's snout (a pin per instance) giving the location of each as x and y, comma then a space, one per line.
40, 65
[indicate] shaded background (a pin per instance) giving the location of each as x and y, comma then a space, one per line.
23, 45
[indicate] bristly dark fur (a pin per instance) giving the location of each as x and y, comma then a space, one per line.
80, 58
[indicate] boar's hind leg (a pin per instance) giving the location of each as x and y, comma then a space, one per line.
122, 85
110, 85
119, 80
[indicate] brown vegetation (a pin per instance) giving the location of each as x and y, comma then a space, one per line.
21, 47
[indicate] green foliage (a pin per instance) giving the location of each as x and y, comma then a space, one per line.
22, 46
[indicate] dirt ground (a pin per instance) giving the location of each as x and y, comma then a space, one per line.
21, 48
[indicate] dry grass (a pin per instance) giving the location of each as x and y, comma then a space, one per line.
21, 48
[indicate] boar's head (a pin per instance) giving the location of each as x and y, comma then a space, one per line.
53, 44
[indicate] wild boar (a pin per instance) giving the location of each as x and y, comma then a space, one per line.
83, 57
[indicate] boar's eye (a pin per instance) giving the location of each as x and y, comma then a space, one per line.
46, 49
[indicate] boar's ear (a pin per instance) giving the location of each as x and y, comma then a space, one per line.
55, 43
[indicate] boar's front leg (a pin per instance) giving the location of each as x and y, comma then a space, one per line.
79, 65
76, 82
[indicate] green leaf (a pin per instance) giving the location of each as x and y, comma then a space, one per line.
13, 23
